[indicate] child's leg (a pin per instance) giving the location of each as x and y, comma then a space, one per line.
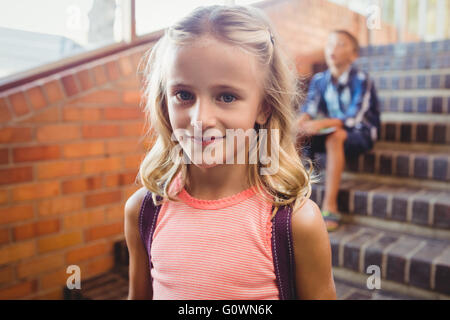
335, 164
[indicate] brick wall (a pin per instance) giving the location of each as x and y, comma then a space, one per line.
70, 149
69, 155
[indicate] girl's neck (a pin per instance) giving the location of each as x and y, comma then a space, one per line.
217, 182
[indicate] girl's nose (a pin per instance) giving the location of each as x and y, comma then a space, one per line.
204, 113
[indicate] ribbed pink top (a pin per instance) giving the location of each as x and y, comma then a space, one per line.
214, 249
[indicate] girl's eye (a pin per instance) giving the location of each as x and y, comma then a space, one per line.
186, 96
183, 95
228, 98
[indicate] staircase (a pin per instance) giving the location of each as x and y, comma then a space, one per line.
395, 199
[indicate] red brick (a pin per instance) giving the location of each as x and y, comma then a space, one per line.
112, 70
17, 251
100, 131
85, 79
59, 132
60, 241
37, 153
16, 175
54, 91
84, 219
15, 134
69, 84
4, 156
6, 274
35, 229
84, 149
104, 231
122, 146
54, 279
128, 191
120, 179
100, 75
49, 170
137, 57
5, 114
4, 196
35, 266
115, 213
99, 97
132, 97
125, 65
36, 97
82, 184
45, 116
99, 266
133, 161
19, 104
81, 114
133, 129
56, 206
101, 165
132, 83
35, 191
17, 291
87, 252
99, 199
122, 113
4, 239
15, 213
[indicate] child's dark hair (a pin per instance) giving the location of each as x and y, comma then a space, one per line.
351, 37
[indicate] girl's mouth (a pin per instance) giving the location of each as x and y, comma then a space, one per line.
205, 141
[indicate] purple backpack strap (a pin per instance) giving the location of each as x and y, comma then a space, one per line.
283, 253
147, 223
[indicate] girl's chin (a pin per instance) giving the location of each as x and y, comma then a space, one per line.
205, 165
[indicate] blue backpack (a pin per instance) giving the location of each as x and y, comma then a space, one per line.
282, 244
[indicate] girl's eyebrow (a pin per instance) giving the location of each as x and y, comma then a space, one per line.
218, 86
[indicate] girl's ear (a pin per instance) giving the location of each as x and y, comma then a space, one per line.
264, 113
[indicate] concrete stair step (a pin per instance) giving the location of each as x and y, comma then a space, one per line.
439, 79
415, 206
415, 101
438, 60
404, 160
415, 262
349, 289
416, 131
408, 48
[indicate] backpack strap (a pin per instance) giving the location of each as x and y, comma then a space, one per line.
282, 244
147, 223
283, 253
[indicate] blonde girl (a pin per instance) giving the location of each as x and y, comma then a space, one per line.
219, 70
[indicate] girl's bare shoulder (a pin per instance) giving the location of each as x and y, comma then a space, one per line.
134, 202
307, 221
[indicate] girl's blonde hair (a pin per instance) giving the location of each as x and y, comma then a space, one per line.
249, 29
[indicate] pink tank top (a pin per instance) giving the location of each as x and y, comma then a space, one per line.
213, 249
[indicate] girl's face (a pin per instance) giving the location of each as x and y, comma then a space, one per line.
212, 86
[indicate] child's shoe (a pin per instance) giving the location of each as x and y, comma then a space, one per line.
332, 220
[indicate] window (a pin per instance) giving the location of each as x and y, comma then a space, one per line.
36, 36
34, 33
156, 15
